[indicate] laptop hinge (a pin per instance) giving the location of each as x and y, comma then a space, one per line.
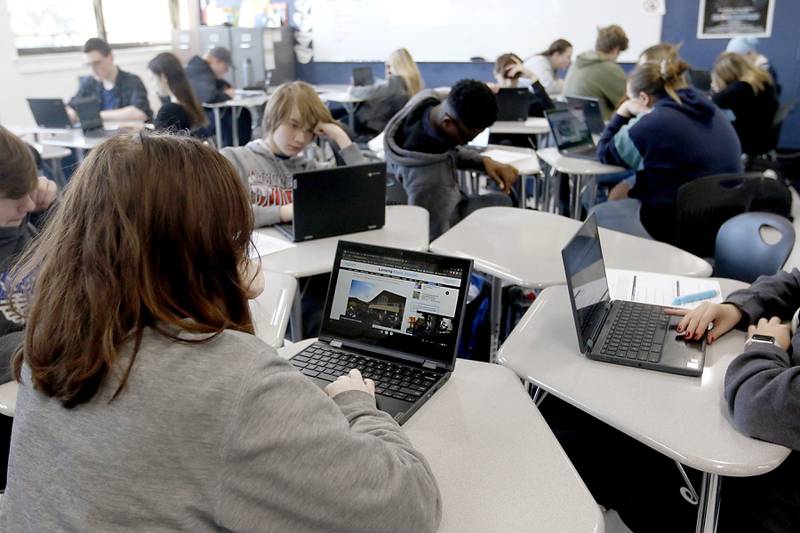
598, 328
336, 344
429, 365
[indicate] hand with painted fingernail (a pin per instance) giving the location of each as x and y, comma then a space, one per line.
694, 323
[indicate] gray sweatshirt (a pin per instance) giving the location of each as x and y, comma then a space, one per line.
218, 436
381, 102
762, 385
268, 177
429, 179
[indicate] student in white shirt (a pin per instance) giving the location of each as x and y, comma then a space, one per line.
546, 65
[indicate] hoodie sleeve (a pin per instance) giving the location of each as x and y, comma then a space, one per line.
768, 296
762, 389
467, 159
616, 147
352, 155
335, 466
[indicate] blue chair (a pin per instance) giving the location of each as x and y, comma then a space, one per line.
741, 252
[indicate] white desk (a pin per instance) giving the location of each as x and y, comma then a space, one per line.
341, 95
236, 105
576, 169
497, 463
682, 417
532, 126
406, 227
523, 247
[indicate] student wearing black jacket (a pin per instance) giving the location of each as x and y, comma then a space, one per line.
181, 109
206, 75
747, 94
762, 392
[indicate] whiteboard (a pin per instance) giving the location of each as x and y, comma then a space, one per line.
456, 30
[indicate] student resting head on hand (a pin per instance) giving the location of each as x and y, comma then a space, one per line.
140, 374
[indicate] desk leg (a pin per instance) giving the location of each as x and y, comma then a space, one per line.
708, 506
218, 127
296, 316
235, 125
577, 182
523, 197
495, 317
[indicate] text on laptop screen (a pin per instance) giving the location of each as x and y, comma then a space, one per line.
586, 277
570, 128
408, 302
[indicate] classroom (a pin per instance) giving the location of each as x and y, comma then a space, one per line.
420, 266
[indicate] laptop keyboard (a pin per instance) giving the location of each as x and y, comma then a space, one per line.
637, 333
391, 379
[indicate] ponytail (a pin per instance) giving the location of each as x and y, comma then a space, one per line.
663, 78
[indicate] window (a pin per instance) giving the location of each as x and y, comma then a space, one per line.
42, 26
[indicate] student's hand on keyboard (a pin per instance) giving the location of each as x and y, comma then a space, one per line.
286, 212
352, 381
773, 328
695, 321
504, 175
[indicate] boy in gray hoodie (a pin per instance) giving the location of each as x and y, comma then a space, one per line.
293, 118
424, 146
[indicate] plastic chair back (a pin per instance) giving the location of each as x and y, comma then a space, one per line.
741, 251
704, 204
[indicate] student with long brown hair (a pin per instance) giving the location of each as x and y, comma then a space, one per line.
669, 134
748, 96
181, 109
547, 64
145, 400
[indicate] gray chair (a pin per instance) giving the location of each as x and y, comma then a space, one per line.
743, 253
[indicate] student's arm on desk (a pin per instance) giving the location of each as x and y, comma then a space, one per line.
291, 456
762, 389
615, 146
502, 174
776, 295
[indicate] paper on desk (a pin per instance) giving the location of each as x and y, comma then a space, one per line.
505, 156
266, 244
658, 289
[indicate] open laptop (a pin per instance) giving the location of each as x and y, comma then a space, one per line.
617, 331
591, 110
362, 76
337, 201
395, 315
571, 132
88, 110
49, 113
700, 80
512, 104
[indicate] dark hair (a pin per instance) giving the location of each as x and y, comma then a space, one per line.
151, 233
559, 46
167, 64
18, 172
473, 103
662, 78
95, 44
222, 54
611, 38
503, 61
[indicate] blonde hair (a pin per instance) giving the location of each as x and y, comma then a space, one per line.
403, 65
291, 95
660, 78
659, 52
731, 67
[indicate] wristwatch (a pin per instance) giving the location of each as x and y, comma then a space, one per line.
759, 339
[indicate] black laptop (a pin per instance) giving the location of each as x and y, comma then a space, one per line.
88, 110
617, 331
395, 315
700, 79
49, 113
571, 132
337, 201
512, 104
362, 76
591, 110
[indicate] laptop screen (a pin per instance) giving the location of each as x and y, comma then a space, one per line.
408, 303
591, 110
570, 128
586, 279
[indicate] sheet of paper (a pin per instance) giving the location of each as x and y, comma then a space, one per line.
658, 289
505, 156
267, 244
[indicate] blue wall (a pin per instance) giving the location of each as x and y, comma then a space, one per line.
680, 25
